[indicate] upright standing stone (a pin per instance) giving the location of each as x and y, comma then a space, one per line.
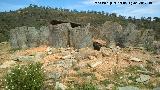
13, 39
59, 35
21, 37
80, 37
32, 37
44, 35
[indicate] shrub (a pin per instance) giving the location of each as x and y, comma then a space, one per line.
29, 77
84, 86
88, 86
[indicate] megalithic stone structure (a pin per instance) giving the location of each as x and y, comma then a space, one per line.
26, 37
80, 37
58, 34
63, 34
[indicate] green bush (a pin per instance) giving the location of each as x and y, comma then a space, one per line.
84, 86
29, 77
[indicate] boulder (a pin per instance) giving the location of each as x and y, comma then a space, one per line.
24, 58
157, 88
67, 63
60, 86
135, 59
128, 88
143, 78
105, 51
54, 75
95, 64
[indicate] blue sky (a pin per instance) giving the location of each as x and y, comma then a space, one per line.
138, 11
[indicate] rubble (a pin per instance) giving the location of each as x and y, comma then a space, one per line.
94, 64
143, 78
60, 86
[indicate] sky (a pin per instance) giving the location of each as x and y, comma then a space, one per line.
136, 10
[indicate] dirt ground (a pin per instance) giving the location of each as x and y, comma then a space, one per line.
114, 65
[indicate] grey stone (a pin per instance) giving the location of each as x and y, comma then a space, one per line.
80, 37
60, 86
135, 59
157, 88
32, 37
156, 45
67, 63
95, 64
59, 35
143, 78
39, 56
54, 75
24, 58
13, 39
25, 37
7, 64
128, 88
63, 35
44, 35
21, 37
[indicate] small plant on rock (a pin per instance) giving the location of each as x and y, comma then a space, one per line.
28, 77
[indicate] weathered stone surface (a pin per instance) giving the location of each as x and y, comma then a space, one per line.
109, 30
157, 88
7, 64
32, 37
112, 32
135, 59
105, 51
128, 88
21, 37
67, 63
25, 37
44, 35
13, 39
54, 75
143, 78
156, 46
60, 86
80, 37
95, 64
59, 35
39, 56
24, 58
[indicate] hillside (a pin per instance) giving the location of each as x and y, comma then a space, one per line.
41, 16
